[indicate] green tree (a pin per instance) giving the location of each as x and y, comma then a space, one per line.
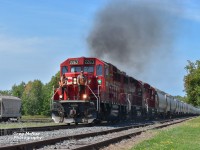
17, 90
192, 82
48, 93
32, 100
183, 99
34, 95
5, 93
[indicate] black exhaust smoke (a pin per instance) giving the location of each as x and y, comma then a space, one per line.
133, 35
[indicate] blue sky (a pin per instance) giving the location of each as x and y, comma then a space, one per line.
36, 36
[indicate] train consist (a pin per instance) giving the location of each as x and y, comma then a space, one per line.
110, 95
10, 108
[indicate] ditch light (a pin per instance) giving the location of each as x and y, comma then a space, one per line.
99, 81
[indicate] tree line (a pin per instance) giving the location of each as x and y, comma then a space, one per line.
36, 96
192, 83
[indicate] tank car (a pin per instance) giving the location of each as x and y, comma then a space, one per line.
10, 108
162, 103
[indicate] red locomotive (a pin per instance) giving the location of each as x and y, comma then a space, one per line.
109, 94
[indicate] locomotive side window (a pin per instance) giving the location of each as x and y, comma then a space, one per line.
99, 70
107, 71
117, 77
75, 69
125, 80
88, 69
139, 92
64, 69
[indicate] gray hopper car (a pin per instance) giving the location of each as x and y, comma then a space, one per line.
10, 108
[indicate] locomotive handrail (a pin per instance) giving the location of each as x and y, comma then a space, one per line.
98, 94
128, 100
146, 104
54, 94
51, 102
95, 97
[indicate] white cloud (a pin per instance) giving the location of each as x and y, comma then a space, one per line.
193, 15
18, 45
188, 9
2, 28
29, 58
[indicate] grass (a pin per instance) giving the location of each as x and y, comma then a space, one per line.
36, 117
183, 137
45, 121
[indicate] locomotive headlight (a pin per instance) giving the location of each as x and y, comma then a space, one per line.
99, 81
84, 96
74, 80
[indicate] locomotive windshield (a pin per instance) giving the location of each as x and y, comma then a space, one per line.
64, 69
99, 69
89, 69
75, 68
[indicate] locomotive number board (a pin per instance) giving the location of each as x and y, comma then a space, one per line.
73, 62
89, 61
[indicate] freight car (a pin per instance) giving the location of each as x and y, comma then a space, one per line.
10, 108
110, 95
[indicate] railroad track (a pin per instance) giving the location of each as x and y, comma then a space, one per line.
11, 131
121, 136
92, 140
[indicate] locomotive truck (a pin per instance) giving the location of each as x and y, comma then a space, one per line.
110, 95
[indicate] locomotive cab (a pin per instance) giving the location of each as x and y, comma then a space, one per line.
69, 104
